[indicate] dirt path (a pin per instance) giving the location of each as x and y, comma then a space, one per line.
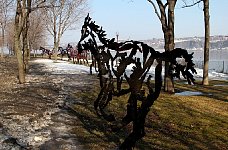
37, 115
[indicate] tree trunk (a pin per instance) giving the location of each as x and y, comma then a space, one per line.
207, 42
21, 27
169, 45
21, 72
29, 52
55, 49
55, 39
25, 49
58, 39
3, 41
17, 44
168, 81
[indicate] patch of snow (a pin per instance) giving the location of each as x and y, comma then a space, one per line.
220, 85
212, 74
189, 93
37, 138
65, 67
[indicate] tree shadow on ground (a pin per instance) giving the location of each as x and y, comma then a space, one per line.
181, 126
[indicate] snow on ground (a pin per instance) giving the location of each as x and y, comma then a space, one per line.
212, 74
63, 67
188, 93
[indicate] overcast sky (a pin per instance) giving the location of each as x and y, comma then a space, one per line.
136, 20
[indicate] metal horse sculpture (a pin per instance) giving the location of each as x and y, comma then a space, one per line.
137, 80
75, 56
82, 57
46, 51
62, 52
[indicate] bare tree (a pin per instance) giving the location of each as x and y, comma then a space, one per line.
207, 42
207, 36
62, 15
37, 31
5, 7
9, 36
27, 5
21, 25
166, 17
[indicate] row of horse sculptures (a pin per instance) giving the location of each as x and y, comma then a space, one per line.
70, 52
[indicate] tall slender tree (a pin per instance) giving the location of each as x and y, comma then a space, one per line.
37, 33
25, 47
21, 25
207, 42
9, 36
206, 38
5, 7
166, 17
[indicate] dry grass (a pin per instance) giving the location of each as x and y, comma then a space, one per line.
174, 122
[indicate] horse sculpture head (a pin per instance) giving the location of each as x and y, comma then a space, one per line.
86, 32
90, 34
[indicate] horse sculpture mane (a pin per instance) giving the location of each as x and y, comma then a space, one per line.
126, 53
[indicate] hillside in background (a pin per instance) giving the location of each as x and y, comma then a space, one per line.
192, 43
218, 42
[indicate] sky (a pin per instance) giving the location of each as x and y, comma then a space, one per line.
136, 20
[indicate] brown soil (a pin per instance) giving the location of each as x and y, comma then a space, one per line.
35, 115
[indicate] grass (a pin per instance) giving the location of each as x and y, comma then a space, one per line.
174, 121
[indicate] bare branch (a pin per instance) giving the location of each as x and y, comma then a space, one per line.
155, 9
186, 5
39, 7
10, 2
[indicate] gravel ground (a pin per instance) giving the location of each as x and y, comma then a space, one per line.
37, 114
